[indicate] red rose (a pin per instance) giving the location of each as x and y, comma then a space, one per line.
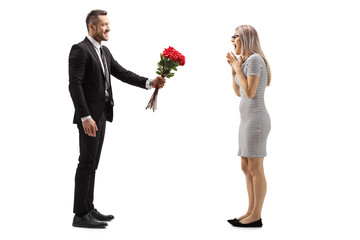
181, 59
174, 55
168, 51
174, 58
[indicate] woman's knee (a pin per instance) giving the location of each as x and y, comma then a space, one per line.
245, 165
255, 166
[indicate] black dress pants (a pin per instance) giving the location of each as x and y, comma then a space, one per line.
90, 150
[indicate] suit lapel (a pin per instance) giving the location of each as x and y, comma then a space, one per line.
95, 55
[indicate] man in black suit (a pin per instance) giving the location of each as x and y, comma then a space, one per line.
90, 67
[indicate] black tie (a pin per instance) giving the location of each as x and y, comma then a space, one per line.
107, 80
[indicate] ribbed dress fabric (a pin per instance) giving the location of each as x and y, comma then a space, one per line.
255, 122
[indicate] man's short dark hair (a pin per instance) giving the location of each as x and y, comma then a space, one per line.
92, 17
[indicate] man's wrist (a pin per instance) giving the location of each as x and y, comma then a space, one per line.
85, 118
149, 83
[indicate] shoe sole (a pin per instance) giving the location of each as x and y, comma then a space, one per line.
236, 224
90, 226
102, 220
249, 226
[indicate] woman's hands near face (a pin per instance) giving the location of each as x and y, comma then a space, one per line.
235, 63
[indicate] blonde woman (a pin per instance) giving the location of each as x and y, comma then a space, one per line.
251, 74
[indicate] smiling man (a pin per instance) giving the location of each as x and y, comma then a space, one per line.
90, 67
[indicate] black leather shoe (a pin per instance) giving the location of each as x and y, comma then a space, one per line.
101, 217
232, 220
88, 221
257, 223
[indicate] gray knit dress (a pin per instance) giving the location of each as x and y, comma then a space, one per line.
255, 122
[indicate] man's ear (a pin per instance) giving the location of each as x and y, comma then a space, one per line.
92, 26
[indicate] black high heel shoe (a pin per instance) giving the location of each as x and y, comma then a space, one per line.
257, 223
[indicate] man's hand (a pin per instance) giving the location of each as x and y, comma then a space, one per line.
90, 127
159, 82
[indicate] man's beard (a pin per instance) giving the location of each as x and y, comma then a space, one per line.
100, 36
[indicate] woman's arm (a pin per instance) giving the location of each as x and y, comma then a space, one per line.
235, 86
250, 84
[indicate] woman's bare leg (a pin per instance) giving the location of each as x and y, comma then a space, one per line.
256, 169
249, 186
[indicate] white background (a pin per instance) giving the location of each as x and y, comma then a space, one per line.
175, 173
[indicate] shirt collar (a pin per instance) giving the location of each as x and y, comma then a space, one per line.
94, 42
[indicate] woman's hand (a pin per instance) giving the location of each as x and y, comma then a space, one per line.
233, 71
235, 64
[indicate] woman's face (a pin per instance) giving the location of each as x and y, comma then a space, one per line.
237, 44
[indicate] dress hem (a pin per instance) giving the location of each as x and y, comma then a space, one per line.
256, 156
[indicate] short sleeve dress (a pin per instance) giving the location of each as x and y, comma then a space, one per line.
255, 122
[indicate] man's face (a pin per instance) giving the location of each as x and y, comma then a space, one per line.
102, 29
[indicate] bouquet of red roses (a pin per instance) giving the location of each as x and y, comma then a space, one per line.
170, 59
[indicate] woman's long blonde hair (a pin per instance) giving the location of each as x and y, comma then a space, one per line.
250, 44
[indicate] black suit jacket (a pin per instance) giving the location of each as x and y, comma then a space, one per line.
87, 81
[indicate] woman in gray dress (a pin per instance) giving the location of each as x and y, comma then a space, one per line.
251, 74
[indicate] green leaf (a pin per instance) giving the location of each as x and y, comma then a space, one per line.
175, 69
158, 73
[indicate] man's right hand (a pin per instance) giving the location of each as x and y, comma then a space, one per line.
159, 82
90, 127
